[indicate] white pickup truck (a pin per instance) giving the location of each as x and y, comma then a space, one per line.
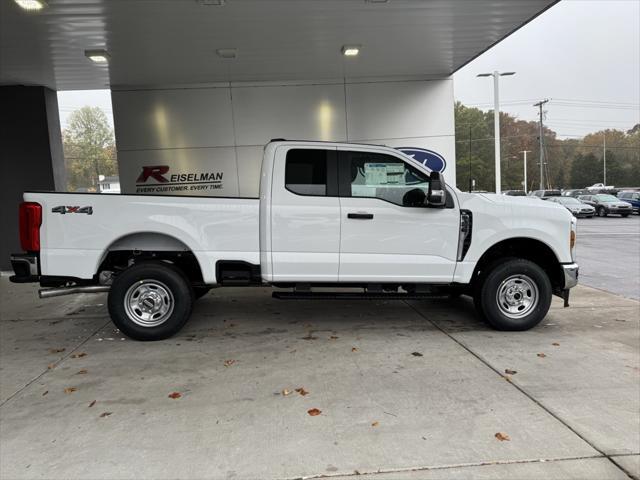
365, 220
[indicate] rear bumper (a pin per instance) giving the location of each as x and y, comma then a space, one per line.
570, 271
26, 267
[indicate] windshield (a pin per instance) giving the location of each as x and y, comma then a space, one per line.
568, 201
606, 198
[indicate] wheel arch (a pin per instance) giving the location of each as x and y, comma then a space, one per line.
150, 246
531, 249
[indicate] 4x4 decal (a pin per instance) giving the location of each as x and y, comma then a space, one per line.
65, 209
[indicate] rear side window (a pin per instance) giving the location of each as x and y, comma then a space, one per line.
306, 171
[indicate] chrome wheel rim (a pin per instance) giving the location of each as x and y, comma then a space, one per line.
148, 303
517, 296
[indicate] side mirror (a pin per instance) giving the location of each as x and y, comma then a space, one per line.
437, 196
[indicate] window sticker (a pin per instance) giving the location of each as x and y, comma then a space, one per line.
384, 173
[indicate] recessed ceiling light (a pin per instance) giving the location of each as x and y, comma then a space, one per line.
31, 5
97, 56
376, 1
350, 50
216, 3
227, 52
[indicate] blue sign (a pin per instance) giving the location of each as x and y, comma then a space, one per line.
430, 159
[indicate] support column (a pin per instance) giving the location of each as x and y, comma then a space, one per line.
31, 156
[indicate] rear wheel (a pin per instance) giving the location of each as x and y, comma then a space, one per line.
150, 301
514, 295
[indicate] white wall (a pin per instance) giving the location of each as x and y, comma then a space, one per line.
221, 129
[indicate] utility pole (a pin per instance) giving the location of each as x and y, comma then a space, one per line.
470, 186
525, 168
539, 105
496, 119
604, 157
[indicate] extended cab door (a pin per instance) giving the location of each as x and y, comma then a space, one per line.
388, 234
305, 214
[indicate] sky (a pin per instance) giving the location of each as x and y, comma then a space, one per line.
583, 55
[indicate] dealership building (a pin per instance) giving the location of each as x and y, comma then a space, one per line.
200, 86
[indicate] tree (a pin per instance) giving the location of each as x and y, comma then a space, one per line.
89, 148
585, 170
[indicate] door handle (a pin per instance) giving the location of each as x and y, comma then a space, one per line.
360, 216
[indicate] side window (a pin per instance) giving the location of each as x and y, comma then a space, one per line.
387, 178
306, 171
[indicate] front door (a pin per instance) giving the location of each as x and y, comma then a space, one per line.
388, 235
305, 215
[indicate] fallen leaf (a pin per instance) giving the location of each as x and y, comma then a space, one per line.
79, 355
416, 354
354, 349
92, 404
105, 414
70, 389
228, 363
509, 371
333, 337
541, 355
309, 337
375, 424
56, 350
507, 378
555, 344
502, 437
314, 412
175, 395
302, 391
47, 391
82, 372
286, 392
51, 366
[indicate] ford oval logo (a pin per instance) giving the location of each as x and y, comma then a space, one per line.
430, 159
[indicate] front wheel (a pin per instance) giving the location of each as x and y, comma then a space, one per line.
150, 301
625, 215
514, 295
602, 212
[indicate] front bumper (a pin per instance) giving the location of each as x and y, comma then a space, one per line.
570, 271
26, 268
619, 210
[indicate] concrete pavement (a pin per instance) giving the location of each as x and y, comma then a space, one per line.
407, 389
608, 253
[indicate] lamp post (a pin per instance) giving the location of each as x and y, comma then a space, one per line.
496, 118
525, 168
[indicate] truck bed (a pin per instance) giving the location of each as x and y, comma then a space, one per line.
75, 242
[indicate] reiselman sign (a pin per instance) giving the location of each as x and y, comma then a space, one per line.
159, 179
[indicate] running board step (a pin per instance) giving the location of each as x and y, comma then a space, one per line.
354, 296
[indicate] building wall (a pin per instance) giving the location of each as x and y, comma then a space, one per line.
222, 129
30, 155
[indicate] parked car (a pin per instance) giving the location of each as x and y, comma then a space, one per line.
600, 186
515, 193
633, 198
544, 194
606, 204
577, 208
332, 215
575, 192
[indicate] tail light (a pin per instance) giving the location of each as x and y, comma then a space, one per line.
30, 214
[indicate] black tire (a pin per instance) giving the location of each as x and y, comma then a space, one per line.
199, 292
519, 272
624, 215
602, 212
163, 286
